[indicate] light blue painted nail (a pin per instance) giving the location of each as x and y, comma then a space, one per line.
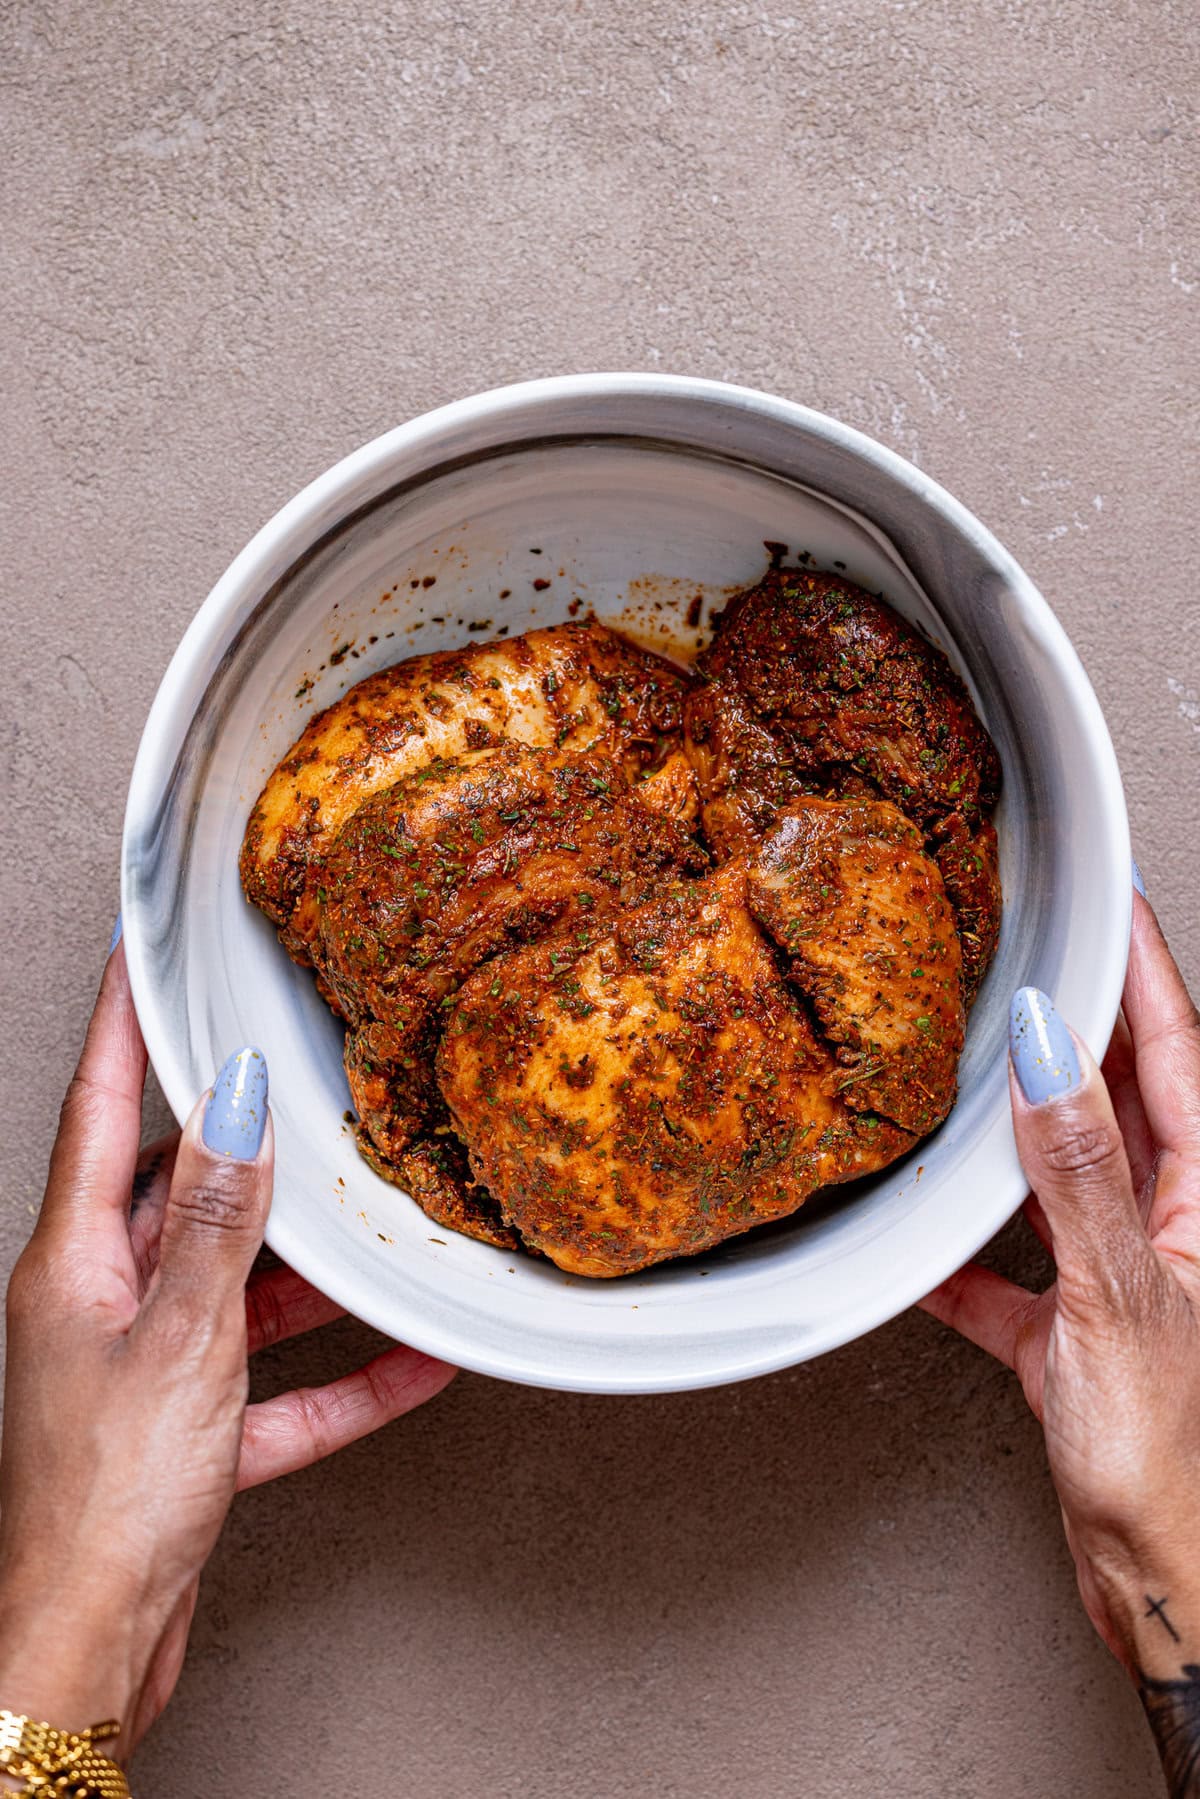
1138, 881
116, 936
236, 1114
1041, 1047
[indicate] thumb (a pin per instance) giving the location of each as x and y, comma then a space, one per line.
220, 1194
1074, 1155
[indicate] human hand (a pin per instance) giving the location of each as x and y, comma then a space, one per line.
1109, 1356
126, 1428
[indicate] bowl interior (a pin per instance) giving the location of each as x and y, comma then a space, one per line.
647, 534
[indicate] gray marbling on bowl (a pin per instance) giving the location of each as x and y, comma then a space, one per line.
629, 493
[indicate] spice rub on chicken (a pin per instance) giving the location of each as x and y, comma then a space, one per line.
453, 865
812, 685
569, 686
651, 1088
567, 1031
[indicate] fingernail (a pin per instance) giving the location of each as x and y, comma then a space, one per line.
116, 936
1040, 1044
1138, 881
236, 1114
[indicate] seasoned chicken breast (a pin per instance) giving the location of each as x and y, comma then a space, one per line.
744, 771
845, 888
842, 681
434, 1172
815, 687
969, 859
573, 686
568, 1032
653, 1089
443, 870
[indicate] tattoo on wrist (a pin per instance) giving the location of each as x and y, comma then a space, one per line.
1157, 1608
1173, 1708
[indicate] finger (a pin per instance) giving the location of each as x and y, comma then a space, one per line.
1071, 1150
281, 1304
984, 1307
220, 1194
1120, 1077
1166, 1037
284, 1434
95, 1153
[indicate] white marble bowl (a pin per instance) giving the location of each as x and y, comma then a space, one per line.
629, 493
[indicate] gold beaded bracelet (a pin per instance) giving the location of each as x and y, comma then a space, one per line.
59, 1762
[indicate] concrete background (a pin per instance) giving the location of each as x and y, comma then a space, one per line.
237, 241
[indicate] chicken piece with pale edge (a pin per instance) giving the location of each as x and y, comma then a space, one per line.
572, 686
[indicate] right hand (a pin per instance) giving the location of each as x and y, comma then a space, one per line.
1109, 1355
126, 1428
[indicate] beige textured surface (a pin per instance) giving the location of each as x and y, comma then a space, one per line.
240, 239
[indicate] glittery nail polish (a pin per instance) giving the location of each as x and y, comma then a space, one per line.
116, 936
1138, 881
236, 1114
1041, 1046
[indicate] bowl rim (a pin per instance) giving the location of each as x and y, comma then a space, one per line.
302, 522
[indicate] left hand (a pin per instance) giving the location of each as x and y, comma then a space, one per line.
126, 1428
